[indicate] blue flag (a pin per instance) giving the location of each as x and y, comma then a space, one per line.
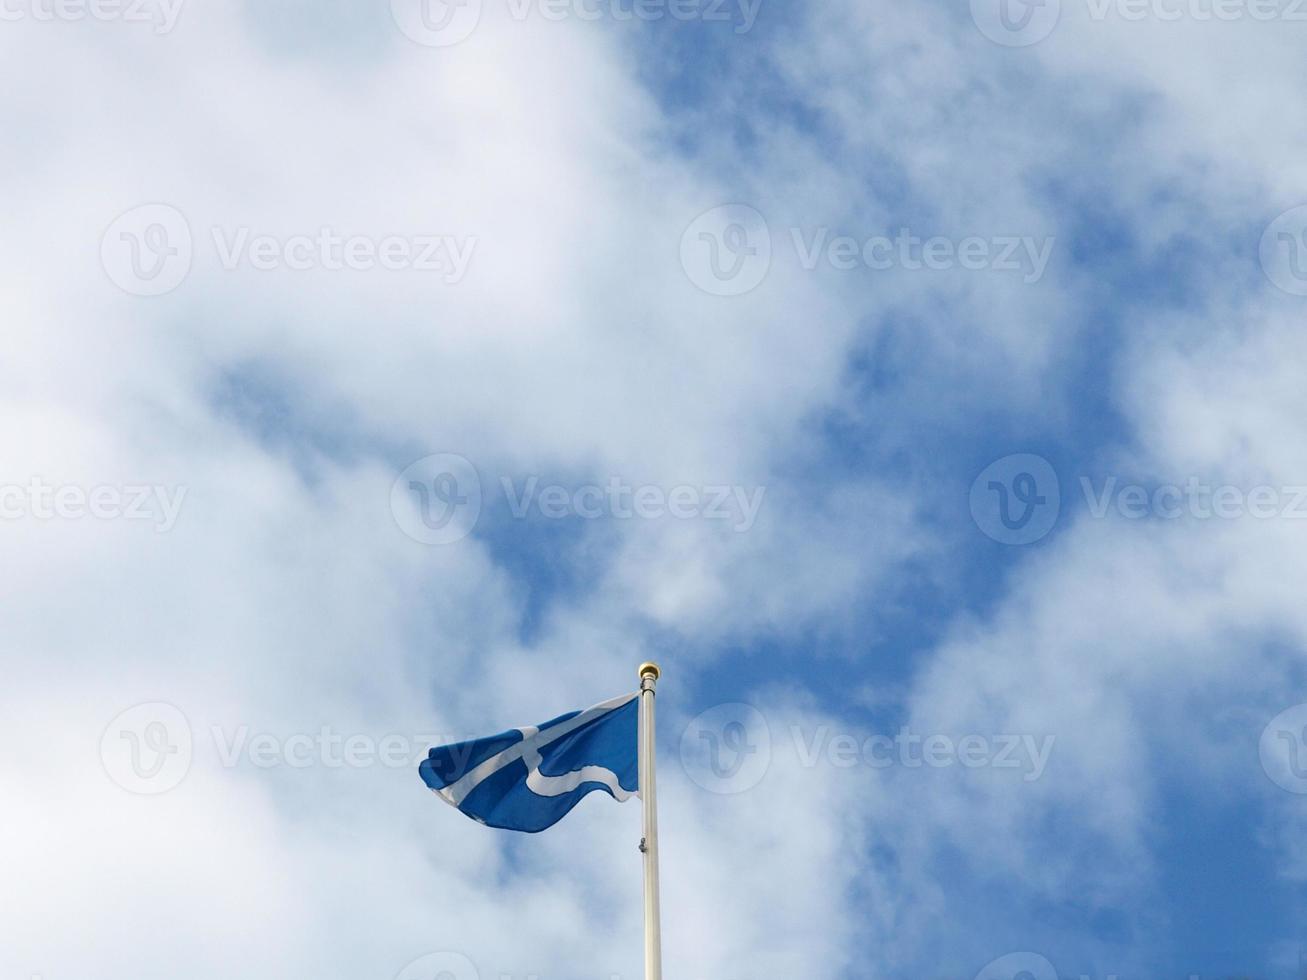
529, 778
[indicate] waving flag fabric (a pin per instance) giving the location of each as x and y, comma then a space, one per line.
529, 778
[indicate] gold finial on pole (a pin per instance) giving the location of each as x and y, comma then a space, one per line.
649, 669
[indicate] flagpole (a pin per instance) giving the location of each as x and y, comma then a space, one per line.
653, 955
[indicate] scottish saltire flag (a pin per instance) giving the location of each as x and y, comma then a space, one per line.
529, 778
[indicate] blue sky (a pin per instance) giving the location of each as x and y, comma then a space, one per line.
388, 326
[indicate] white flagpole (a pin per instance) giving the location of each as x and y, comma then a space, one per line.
653, 955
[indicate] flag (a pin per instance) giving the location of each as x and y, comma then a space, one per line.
530, 778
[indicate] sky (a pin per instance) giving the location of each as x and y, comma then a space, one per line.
920, 384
